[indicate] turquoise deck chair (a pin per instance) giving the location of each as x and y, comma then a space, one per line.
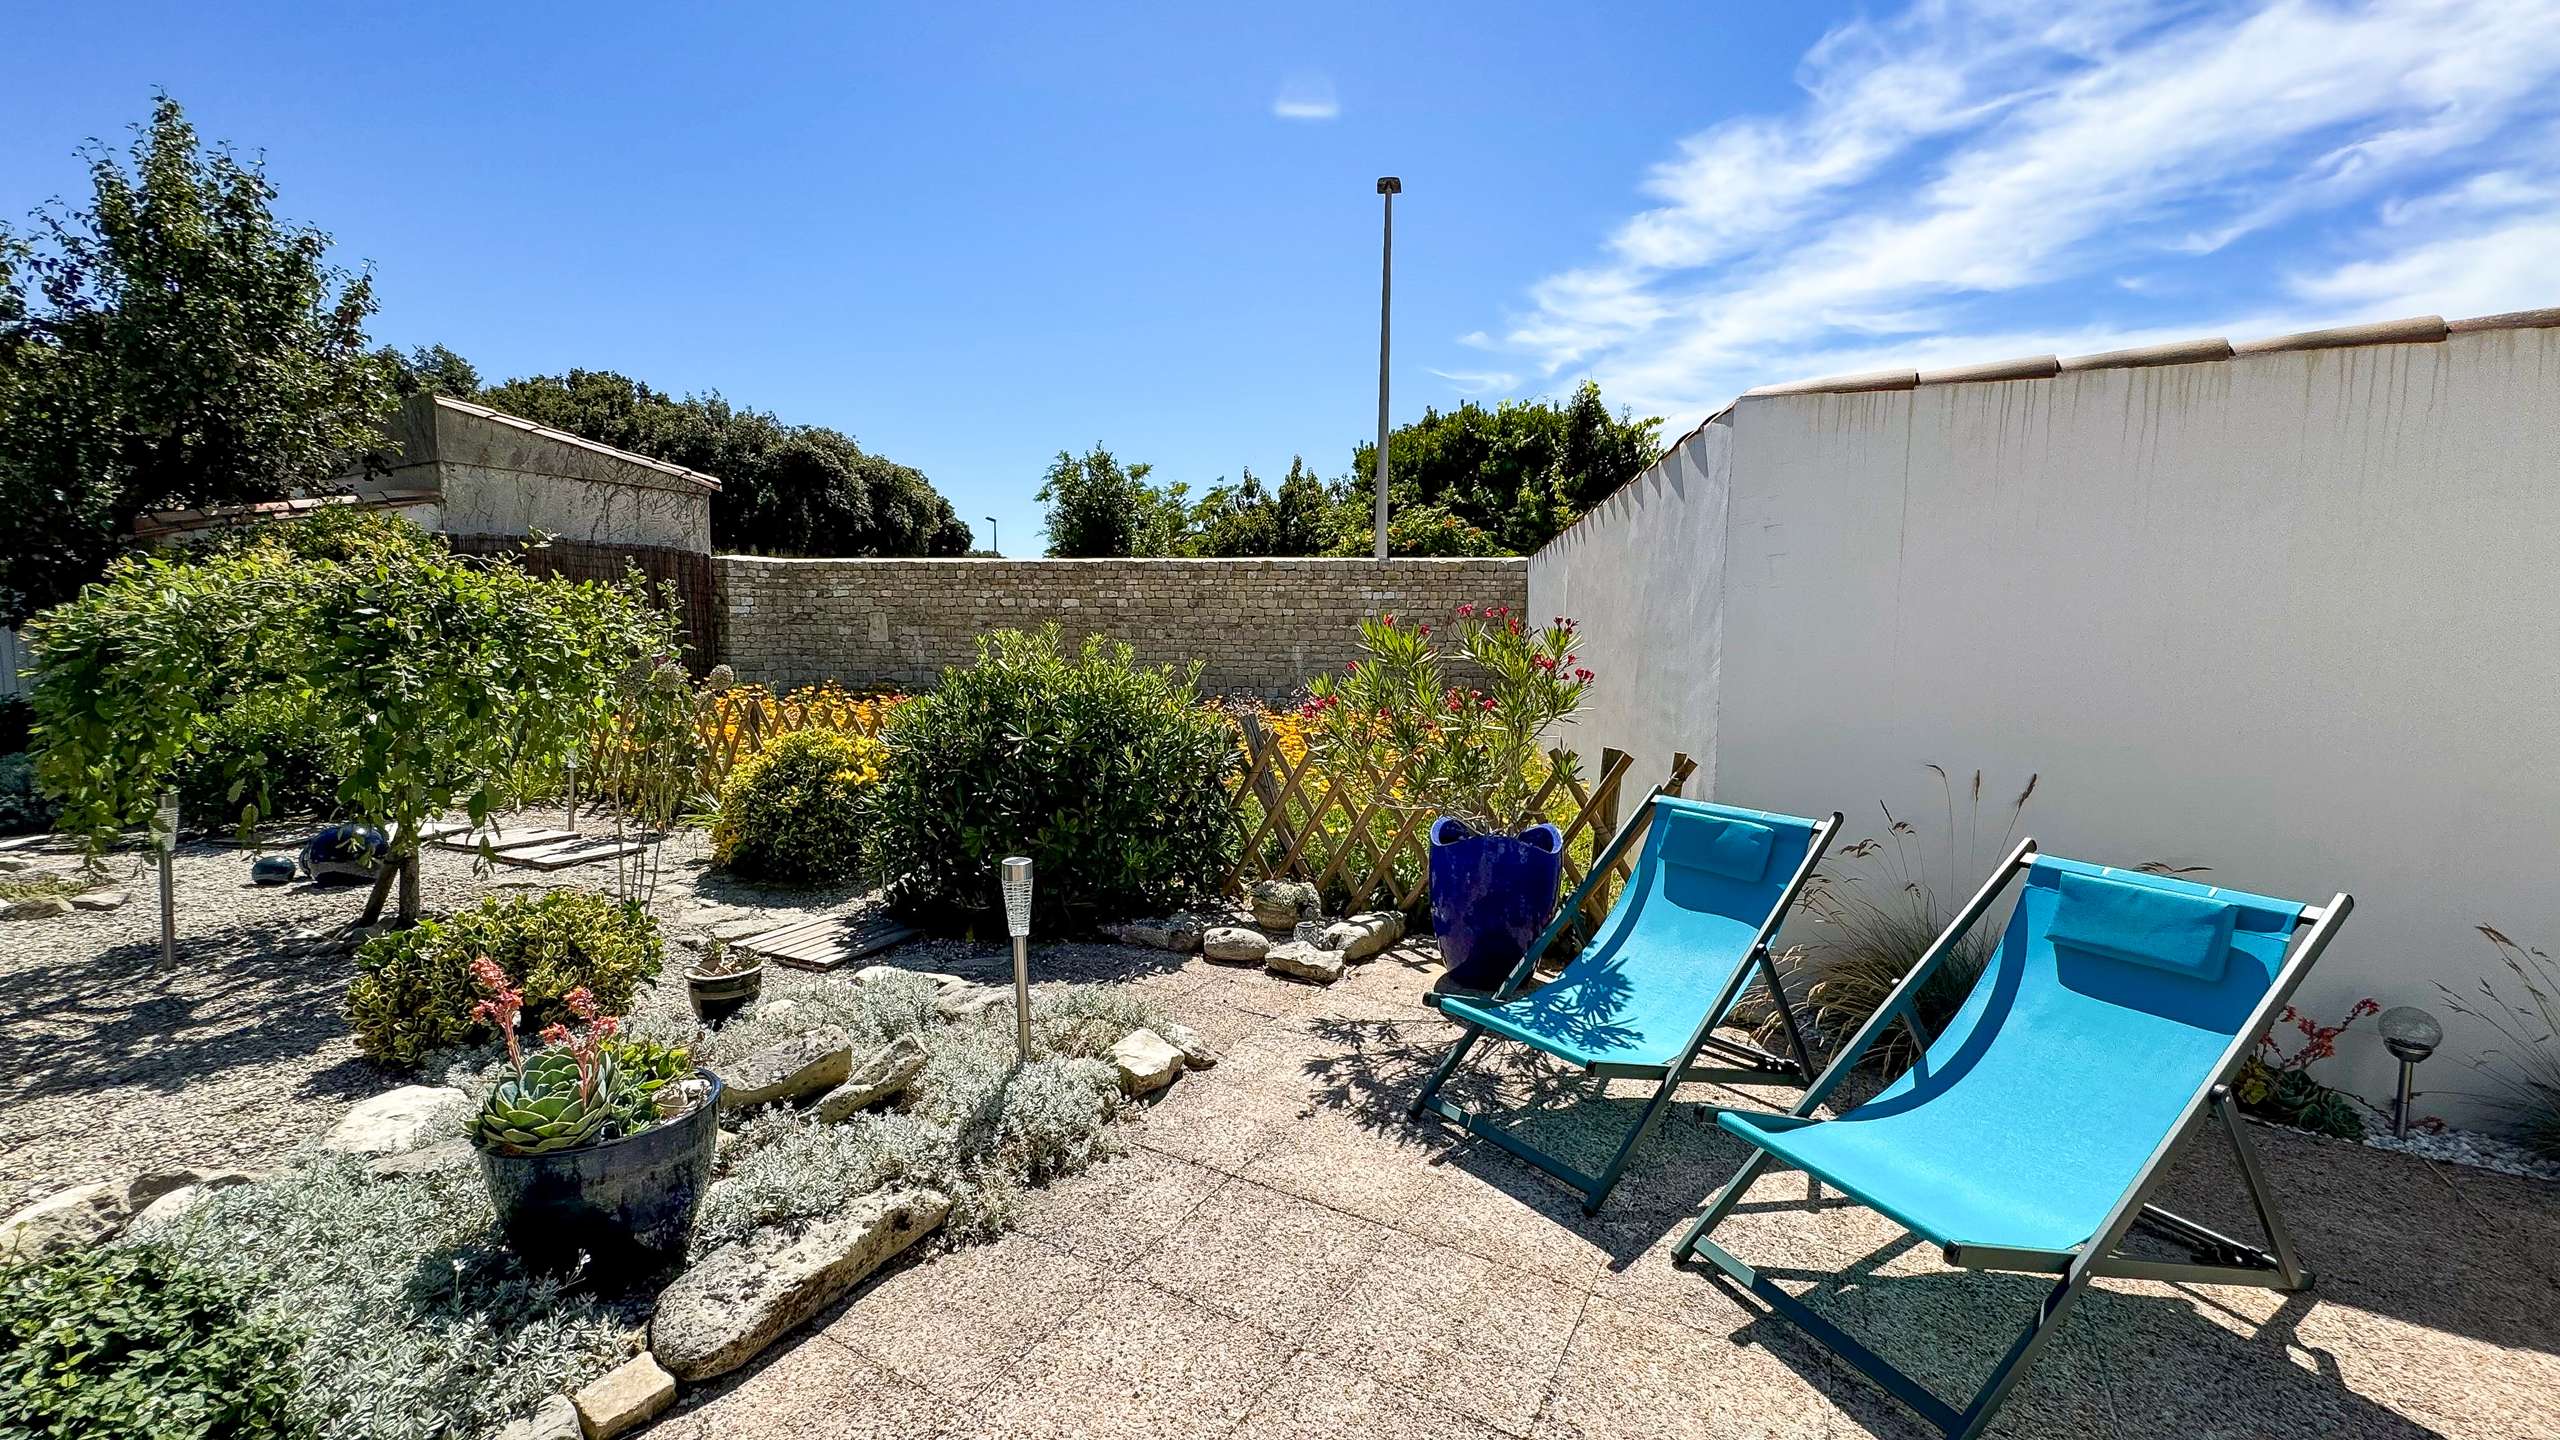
2029, 1135
1644, 998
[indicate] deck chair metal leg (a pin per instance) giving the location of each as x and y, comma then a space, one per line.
1447, 1067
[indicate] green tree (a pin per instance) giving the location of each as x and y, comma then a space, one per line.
169, 344
470, 677
787, 489
1244, 519
1504, 480
431, 368
1099, 507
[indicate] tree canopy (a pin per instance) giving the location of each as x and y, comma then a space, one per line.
457, 681
1473, 481
787, 489
170, 343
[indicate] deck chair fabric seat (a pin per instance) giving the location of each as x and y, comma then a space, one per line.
2028, 1118
1665, 967
2103, 1030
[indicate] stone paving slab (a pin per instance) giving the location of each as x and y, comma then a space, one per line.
1282, 1254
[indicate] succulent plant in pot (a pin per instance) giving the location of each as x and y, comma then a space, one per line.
724, 982
593, 1148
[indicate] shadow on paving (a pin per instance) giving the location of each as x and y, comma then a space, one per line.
245, 997
2451, 1250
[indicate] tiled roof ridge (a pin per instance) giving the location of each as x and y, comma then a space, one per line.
2415, 330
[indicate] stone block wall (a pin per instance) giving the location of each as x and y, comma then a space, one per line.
1261, 626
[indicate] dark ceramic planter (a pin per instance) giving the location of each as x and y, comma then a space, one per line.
627, 1205
717, 997
1490, 896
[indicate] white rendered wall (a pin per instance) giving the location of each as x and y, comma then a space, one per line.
1642, 575
2290, 616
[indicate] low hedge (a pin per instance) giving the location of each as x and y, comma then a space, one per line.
792, 812
413, 993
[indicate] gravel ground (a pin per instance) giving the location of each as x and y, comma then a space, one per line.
242, 1053
2470, 1147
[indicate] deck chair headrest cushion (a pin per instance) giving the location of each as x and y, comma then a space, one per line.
1734, 849
2139, 925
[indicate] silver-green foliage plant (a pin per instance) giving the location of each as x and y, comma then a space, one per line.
416, 1325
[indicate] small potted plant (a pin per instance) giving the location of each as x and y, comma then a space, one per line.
1471, 758
725, 982
593, 1147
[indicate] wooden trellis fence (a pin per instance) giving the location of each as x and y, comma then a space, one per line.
1342, 832
738, 723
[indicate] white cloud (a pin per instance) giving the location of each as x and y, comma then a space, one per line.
1968, 160
1479, 382
1306, 97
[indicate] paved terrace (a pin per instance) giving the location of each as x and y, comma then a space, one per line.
1282, 1255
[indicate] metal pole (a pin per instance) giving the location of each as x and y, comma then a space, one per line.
1022, 996
168, 838
995, 537
1388, 188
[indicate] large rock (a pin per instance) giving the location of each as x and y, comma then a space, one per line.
398, 1120
180, 1199
37, 907
1235, 945
1196, 1053
1305, 961
65, 1220
1362, 936
877, 1076
100, 900
555, 1418
1281, 904
970, 1001
870, 973
1178, 933
1147, 1061
751, 1292
788, 1069
625, 1398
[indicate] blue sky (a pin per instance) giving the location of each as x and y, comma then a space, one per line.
974, 236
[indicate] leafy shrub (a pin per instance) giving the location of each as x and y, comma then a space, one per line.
23, 808
130, 1342
413, 992
265, 754
417, 1325
1112, 777
792, 813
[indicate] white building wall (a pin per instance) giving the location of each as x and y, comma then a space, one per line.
1642, 574
2290, 616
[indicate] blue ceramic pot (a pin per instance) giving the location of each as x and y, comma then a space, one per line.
1490, 896
627, 1205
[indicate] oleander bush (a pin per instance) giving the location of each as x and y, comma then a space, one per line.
1110, 775
792, 813
413, 992
129, 1341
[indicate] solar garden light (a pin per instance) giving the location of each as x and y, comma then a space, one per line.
1017, 923
570, 764
2412, 1035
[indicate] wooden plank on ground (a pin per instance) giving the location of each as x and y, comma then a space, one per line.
570, 852
829, 944
502, 838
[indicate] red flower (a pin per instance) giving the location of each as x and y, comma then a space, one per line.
1466, 611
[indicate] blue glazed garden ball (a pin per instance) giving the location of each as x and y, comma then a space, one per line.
272, 870
344, 854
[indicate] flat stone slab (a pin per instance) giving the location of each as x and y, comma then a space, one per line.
625, 1398
749, 1293
875, 1077
788, 1069
1305, 962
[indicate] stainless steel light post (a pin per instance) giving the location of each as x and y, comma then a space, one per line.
1017, 921
995, 537
1389, 187
166, 841
2411, 1035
